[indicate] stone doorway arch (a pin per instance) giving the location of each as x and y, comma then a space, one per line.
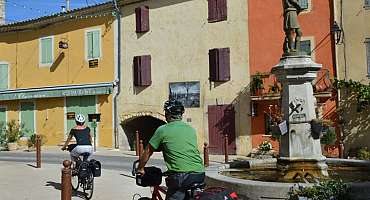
144, 122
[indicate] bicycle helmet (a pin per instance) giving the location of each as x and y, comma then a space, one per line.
80, 118
174, 107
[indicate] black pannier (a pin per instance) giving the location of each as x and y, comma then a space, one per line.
152, 177
83, 171
95, 167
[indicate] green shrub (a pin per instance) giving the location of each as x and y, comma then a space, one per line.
32, 140
329, 137
327, 190
265, 146
363, 154
13, 131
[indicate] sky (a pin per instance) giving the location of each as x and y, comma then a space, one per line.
20, 10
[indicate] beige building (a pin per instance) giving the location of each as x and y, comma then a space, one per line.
193, 50
353, 62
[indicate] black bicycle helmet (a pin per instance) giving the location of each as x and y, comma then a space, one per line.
174, 107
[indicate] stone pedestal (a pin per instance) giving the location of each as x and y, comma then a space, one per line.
298, 149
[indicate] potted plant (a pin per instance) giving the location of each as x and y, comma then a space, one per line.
31, 143
12, 134
327, 190
318, 126
257, 84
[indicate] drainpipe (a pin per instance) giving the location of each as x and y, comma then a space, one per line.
117, 76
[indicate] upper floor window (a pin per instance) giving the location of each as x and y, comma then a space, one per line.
217, 10
46, 51
4, 76
93, 44
306, 46
367, 43
142, 19
367, 3
303, 4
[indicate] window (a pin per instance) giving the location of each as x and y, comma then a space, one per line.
2, 119
142, 19
219, 64
93, 44
46, 51
367, 3
4, 77
367, 42
217, 10
27, 117
303, 4
142, 70
306, 46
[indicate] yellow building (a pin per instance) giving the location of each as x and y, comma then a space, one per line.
353, 62
58, 65
192, 50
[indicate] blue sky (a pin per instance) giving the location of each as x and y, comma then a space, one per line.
20, 10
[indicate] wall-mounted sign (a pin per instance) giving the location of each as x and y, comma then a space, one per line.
94, 117
71, 115
186, 92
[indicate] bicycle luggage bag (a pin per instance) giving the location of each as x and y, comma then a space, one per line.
95, 167
152, 177
217, 193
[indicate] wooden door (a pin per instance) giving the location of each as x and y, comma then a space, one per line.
221, 121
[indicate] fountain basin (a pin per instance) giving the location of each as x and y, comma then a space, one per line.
252, 188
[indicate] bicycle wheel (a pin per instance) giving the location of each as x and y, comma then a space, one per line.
75, 181
88, 186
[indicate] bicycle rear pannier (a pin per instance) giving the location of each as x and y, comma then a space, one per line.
95, 167
83, 171
217, 193
152, 177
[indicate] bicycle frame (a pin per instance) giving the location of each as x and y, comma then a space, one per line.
156, 194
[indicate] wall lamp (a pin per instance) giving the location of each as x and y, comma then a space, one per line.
63, 45
336, 30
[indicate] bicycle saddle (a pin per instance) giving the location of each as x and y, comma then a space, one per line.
85, 155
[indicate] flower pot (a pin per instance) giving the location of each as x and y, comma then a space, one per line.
316, 129
12, 146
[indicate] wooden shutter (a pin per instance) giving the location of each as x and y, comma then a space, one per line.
90, 44
368, 57
2, 119
213, 64
212, 10
27, 116
224, 64
4, 76
222, 10
142, 70
219, 65
46, 50
96, 44
142, 19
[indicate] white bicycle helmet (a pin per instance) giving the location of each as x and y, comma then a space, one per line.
80, 118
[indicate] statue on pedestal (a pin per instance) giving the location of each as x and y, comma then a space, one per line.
291, 27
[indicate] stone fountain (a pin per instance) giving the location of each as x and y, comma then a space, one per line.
300, 153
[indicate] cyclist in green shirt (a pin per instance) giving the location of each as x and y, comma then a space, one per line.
178, 143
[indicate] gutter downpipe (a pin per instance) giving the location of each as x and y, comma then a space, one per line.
117, 78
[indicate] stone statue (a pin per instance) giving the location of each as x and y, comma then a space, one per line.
291, 27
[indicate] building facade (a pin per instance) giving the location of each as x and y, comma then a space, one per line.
266, 37
353, 60
195, 51
56, 66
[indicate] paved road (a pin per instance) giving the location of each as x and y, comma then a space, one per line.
120, 162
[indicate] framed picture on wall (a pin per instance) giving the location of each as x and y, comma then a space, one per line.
186, 92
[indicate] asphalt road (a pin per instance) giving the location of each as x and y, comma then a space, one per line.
121, 163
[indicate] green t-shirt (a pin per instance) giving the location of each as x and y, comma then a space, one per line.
178, 142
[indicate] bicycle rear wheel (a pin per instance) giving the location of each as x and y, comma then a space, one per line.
75, 182
88, 186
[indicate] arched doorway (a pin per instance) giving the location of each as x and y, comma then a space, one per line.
146, 125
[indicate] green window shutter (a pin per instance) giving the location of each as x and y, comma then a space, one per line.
89, 45
2, 118
46, 51
27, 118
96, 44
82, 104
4, 76
306, 46
368, 56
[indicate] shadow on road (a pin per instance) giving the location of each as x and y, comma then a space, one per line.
31, 165
128, 175
58, 186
